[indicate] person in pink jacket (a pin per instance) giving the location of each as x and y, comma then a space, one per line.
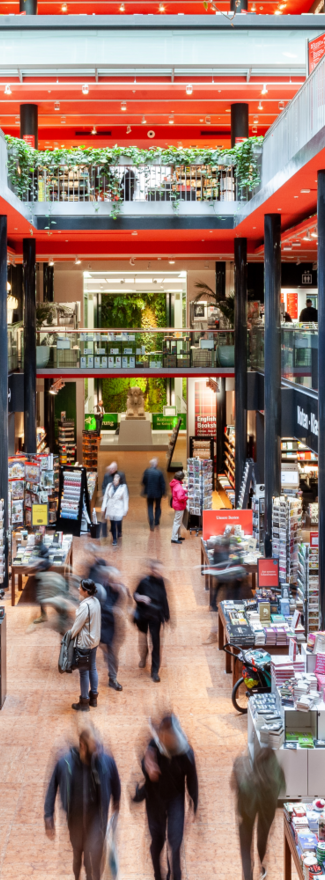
179, 499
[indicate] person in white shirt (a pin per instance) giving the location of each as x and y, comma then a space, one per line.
86, 631
115, 505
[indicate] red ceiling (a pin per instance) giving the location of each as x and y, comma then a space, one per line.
195, 116
155, 7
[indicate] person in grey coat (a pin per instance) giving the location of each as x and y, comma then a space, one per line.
154, 487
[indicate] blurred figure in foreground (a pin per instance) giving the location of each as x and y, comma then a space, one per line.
87, 778
258, 785
154, 487
151, 612
40, 562
167, 765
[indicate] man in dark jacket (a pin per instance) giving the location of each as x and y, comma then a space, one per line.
154, 488
168, 764
309, 313
152, 611
87, 779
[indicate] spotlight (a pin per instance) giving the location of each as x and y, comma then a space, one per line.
281, 105
208, 120
307, 237
129, 129
171, 119
264, 90
260, 106
57, 385
161, 7
123, 106
57, 106
77, 261
132, 261
8, 287
85, 89
314, 234
171, 262
143, 120
64, 7
94, 130
189, 89
62, 120
51, 262
7, 89
122, 7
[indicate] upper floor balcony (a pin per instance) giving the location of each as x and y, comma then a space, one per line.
299, 353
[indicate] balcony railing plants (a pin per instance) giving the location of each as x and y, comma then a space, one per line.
125, 174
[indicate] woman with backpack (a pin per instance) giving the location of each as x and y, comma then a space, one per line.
178, 503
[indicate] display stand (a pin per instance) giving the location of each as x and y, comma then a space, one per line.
73, 495
247, 481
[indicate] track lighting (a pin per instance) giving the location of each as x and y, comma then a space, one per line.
94, 130
85, 89
57, 385
171, 119
122, 7
129, 129
143, 120
161, 7
264, 90
281, 105
51, 262
64, 7
77, 261
208, 120
57, 106
132, 261
189, 89
123, 106
7, 89
260, 106
8, 287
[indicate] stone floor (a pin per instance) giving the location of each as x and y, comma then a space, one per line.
36, 720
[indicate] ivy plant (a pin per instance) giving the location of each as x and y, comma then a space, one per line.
24, 162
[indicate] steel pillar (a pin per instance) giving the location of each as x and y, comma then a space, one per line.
321, 389
29, 121
29, 253
240, 360
4, 386
272, 369
239, 122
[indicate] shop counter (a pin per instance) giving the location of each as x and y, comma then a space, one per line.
62, 568
230, 661
290, 852
208, 578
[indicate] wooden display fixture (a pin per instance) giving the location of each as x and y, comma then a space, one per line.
90, 445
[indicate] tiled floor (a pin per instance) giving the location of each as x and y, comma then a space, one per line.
37, 720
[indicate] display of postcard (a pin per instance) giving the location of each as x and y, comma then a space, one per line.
17, 511
111, 363
124, 362
16, 469
28, 500
104, 362
83, 363
100, 350
32, 472
118, 362
28, 517
90, 360
131, 361
17, 489
97, 361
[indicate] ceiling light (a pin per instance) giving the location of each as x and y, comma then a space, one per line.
85, 89
161, 7
314, 234
281, 105
208, 120
64, 7
171, 119
123, 106
264, 90
287, 248
62, 120
283, 6
7, 89
143, 120
253, 9
94, 130
77, 261
277, 12
122, 7
307, 236
129, 129
296, 244
132, 261
8, 286
260, 106
171, 262
305, 190
254, 130
134, 233
51, 262
189, 89
56, 106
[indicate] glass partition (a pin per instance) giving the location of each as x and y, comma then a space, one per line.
299, 353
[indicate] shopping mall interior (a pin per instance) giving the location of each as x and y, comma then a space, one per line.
162, 305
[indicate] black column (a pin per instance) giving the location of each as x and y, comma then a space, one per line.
29, 253
321, 388
4, 383
28, 6
239, 121
29, 121
238, 5
240, 359
272, 369
48, 283
221, 424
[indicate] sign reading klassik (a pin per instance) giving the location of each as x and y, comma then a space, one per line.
214, 522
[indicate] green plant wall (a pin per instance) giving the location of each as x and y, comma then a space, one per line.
131, 311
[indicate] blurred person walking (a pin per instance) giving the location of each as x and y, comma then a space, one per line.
86, 631
154, 487
257, 785
115, 506
112, 595
179, 499
168, 766
88, 780
152, 612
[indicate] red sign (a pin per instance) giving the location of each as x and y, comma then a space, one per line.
268, 572
292, 305
316, 50
214, 522
313, 539
29, 139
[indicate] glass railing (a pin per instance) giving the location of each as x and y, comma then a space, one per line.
299, 353
15, 347
139, 349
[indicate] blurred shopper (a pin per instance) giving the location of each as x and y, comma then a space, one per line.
308, 314
113, 599
179, 499
86, 631
88, 779
258, 785
40, 562
115, 506
168, 765
152, 611
154, 487
108, 478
